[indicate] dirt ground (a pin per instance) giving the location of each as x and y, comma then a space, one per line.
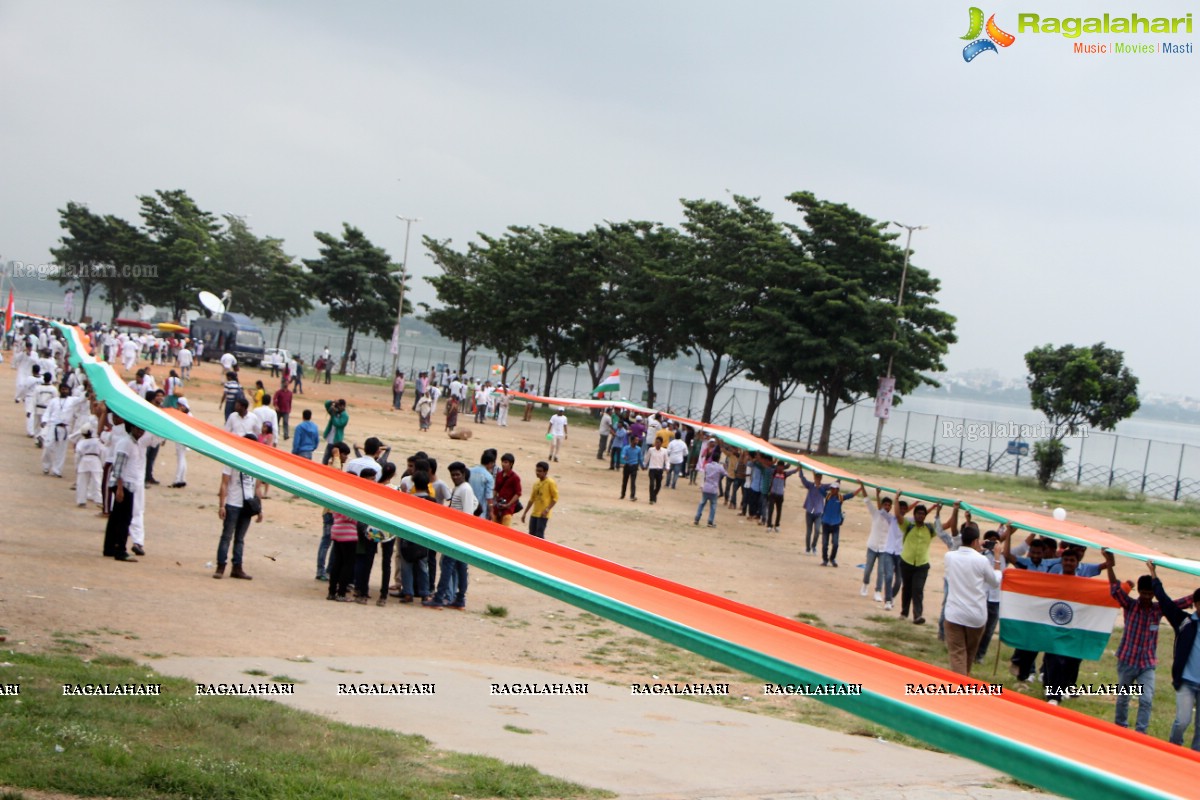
54, 584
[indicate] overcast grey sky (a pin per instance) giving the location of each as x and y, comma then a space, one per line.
1058, 187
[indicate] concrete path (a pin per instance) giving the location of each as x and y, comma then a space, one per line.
637, 746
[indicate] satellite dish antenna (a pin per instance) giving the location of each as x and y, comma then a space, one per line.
146, 313
212, 303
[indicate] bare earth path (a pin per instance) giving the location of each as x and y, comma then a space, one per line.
168, 612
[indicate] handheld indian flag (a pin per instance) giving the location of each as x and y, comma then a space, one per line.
1059, 614
610, 384
8, 313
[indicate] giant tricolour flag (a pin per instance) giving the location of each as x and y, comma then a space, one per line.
1059, 614
610, 384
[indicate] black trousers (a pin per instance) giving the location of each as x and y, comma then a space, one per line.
151, 457
116, 532
341, 568
363, 563
1025, 661
656, 476
912, 588
629, 479
1061, 673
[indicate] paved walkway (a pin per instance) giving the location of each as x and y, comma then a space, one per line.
638, 746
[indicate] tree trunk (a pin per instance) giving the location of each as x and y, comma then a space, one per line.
464, 348
279, 338
346, 352
85, 288
775, 398
651, 395
828, 412
551, 371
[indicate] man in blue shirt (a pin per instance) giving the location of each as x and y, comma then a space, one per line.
814, 507
482, 478
1185, 669
306, 437
631, 460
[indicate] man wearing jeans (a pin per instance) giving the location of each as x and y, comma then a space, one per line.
814, 508
1137, 653
708, 492
1185, 669
882, 521
656, 463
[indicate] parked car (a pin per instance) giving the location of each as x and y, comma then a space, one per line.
277, 357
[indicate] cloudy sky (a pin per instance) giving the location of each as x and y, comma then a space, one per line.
1057, 187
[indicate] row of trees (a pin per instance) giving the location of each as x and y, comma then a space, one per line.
736, 290
191, 250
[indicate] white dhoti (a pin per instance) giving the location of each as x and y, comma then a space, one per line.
54, 449
137, 525
87, 482
180, 463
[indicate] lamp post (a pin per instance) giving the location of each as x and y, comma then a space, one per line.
408, 221
896, 330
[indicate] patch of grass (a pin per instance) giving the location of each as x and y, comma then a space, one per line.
496, 611
810, 618
285, 679
516, 729
255, 672
179, 745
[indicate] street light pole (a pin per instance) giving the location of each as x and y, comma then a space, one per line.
408, 221
896, 330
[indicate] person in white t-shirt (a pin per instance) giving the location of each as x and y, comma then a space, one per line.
969, 574
558, 432
228, 362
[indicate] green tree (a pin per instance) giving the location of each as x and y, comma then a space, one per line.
855, 303
463, 298
1077, 386
83, 252
125, 251
353, 277
182, 244
543, 271
265, 281
644, 313
779, 333
715, 294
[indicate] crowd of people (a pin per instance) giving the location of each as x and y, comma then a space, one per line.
114, 463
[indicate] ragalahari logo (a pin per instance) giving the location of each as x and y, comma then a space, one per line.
995, 36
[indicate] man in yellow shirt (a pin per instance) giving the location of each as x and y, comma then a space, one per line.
542, 498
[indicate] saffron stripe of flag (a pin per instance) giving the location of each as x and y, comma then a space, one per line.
610, 384
8, 313
1059, 614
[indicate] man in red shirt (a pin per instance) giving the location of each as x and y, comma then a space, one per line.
507, 492
283, 406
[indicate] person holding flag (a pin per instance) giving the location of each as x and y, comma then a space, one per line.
610, 385
1137, 654
1185, 669
969, 573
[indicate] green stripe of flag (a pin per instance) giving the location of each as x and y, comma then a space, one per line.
1042, 638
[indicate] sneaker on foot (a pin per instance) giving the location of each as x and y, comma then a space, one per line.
863, 591
879, 598
887, 606
138, 550
712, 524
